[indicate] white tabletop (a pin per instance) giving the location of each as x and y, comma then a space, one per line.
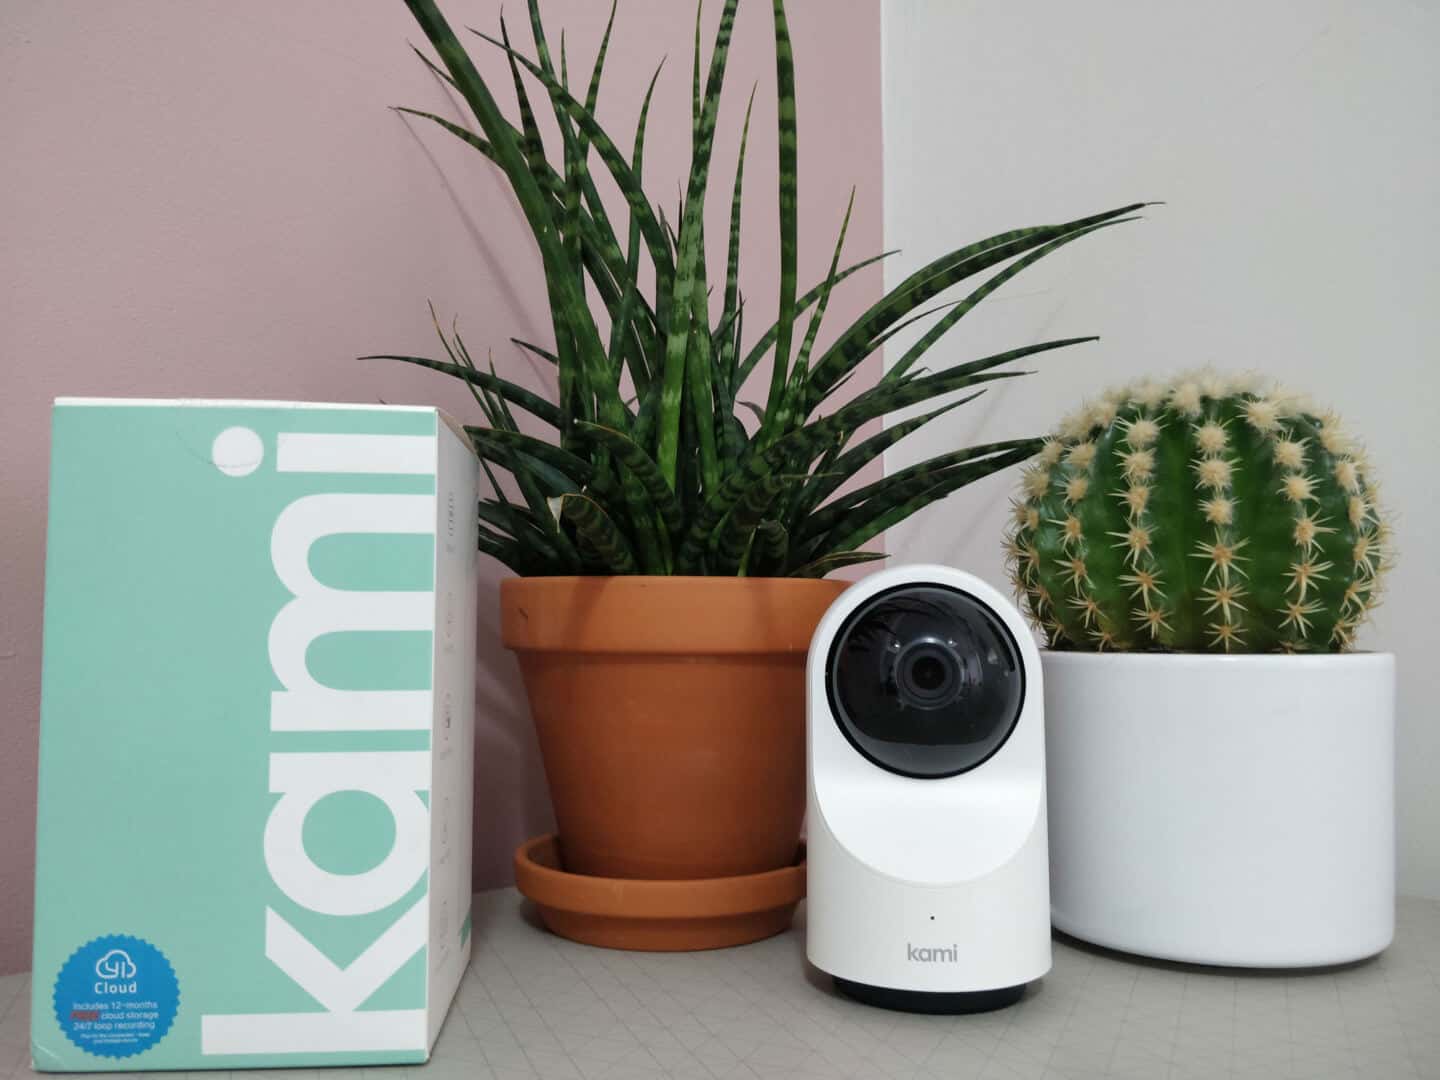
534, 1005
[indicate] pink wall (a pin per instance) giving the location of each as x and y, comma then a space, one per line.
210, 200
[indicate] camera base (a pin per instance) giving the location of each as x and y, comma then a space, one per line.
929, 1001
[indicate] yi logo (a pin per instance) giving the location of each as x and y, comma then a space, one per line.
115, 964
115, 973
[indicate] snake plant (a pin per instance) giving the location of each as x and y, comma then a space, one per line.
651, 468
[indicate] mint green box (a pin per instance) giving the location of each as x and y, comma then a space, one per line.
256, 737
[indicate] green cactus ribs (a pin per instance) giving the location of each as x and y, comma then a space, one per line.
1210, 514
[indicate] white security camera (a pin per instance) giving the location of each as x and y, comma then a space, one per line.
929, 887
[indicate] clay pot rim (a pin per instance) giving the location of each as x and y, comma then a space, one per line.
663, 615
637, 899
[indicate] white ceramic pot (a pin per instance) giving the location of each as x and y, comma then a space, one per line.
1223, 809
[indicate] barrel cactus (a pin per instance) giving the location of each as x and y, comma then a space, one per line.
1212, 514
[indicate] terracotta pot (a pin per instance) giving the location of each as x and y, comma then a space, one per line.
671, 717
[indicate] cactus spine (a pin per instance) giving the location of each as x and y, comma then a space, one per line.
1209, 515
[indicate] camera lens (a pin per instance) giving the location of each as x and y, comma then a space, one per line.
925, 681
928, 674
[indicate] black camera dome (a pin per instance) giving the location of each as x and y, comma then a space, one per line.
925, 680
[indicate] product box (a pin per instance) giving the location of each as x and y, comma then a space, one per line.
256, 735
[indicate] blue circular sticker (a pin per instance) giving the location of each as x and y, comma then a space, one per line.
116, 996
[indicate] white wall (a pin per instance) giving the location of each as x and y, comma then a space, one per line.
1297, 144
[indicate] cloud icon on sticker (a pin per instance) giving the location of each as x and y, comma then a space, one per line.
115, 964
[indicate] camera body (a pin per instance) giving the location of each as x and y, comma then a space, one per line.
928, 864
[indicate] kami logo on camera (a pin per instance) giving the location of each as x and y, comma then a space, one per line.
932, 955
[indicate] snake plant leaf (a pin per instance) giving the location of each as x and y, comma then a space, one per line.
501, 406
700, 396
575, 468
856, 343
467, 81
536, 350
823, 481
511, 555
538, 482
882, 518
732, 538
772, 545
875, 402
826, 563
789, 217
831, 474
651, 537
795, 450
640, 369
733, 434
965, 306
549, 481
826, 287
507, 551
642, 466
486, 399
696, 98
435, 69
653, 543
589, 239
762, 346
725, 328
518, 527
577, 338
793, 397
903, 324
491, 403
606, 264
603, 260
592, 95
610, 156
464, 134
598, 233
681, 341
605, 539
570, 198
531, 143
542, 48
531, 402
560, 547
730, 308
670, 232
756, 410
841, 515
700, 393
499, 513
803, 444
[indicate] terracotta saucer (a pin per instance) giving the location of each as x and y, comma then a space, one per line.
657, 916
